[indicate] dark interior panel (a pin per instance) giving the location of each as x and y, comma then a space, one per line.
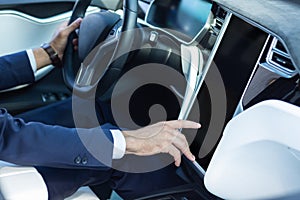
48, 90
281, 89
40, 10
266, 84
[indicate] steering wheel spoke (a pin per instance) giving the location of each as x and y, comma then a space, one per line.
95, 64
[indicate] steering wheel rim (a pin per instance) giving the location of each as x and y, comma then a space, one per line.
113, 71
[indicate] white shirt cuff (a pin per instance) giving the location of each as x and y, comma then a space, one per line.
31, 59
119, 144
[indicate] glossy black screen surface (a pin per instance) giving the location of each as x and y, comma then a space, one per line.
235, 61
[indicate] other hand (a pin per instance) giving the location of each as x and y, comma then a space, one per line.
162, 137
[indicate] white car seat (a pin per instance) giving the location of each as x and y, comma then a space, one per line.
258, 156
17, 182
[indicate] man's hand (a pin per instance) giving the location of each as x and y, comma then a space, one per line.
162, 137
58, 43
60, 38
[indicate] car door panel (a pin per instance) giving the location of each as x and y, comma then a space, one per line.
25, 25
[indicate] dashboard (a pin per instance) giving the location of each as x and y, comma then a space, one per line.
183, 18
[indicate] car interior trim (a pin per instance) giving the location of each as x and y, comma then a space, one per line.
214, 50
59, 17
267, 13
240, 107
199, 36
16, 15
206, 69
275, 67
278, 70
192, 67
184, 113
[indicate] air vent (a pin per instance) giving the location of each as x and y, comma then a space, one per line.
220, 15
278, 60
279, 46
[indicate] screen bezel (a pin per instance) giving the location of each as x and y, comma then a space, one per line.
175, 34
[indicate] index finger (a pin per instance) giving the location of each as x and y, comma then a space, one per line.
178, 124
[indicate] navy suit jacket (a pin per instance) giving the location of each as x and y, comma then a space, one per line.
43, 145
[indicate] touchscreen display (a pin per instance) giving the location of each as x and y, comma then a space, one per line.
184, 18
235, 60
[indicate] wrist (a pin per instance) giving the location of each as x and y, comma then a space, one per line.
52, 54
132, 143
41, 58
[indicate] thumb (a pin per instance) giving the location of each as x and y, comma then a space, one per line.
73, 26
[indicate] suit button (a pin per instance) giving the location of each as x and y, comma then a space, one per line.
18, 123
84, 160
77, 160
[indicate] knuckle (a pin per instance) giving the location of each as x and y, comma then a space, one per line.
185, 150
163, 145
180, 122
62, 33
181, 137
160, 145
167, 144
168, 140
171, 137
167, 127
162, 123
178, 154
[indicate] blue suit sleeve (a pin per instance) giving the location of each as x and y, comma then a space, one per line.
15, 70
38, 144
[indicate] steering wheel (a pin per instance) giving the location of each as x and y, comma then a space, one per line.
87, 81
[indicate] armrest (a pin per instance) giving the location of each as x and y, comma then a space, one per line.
22, 183
17, 182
